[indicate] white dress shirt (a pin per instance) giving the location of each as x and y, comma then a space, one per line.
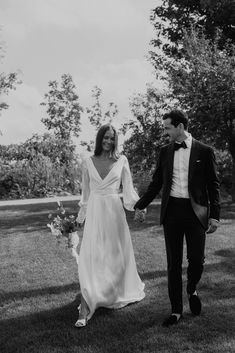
179, 187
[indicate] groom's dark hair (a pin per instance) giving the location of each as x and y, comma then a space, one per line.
177, 116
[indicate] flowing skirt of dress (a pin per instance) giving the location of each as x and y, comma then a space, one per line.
107, 269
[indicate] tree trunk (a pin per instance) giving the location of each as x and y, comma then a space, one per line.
233, 179
232, 147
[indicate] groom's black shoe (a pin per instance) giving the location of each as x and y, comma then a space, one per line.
171, 320
195, 304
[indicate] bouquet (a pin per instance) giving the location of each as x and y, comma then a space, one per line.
63, 226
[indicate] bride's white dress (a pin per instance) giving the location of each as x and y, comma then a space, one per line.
107, 269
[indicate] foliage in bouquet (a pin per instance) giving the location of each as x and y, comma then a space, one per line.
62, 225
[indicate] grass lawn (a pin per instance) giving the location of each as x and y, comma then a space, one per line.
39, 292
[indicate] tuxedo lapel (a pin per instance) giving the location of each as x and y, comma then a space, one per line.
193, 157
170, 161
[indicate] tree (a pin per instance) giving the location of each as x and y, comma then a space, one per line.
146, 129
42, 165
199, 66
8, 81
97, 117
173, 16
47, 144
57, 149
142, 147
95, 113
204, 84
63, 108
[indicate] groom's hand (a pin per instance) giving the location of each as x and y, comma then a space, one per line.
140, 215
212, 226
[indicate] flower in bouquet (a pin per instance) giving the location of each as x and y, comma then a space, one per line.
62, 226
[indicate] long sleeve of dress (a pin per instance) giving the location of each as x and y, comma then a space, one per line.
130, 196
85, 193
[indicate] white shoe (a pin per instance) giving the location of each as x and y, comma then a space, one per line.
80, 323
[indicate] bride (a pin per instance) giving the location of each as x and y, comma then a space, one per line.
107, 270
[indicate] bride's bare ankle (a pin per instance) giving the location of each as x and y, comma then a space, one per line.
83, 312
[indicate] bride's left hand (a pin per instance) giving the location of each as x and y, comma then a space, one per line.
140, 215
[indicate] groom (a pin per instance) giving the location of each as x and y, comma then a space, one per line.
186, 173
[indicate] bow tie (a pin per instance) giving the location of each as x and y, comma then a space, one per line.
177, 146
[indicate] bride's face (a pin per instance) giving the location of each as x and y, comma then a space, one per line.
108, 141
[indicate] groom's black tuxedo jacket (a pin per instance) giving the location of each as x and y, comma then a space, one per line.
203, 183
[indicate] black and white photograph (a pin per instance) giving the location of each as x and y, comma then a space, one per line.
117, 176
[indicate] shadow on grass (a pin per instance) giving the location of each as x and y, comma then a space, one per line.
108, 329
9, 296
36, 215
226, 266
31, 217
228, 253
52, 330
135, 328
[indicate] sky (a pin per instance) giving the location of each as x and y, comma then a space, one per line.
101, 43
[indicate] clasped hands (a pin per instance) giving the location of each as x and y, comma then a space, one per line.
140, 215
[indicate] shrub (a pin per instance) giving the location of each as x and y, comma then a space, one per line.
141, 181
224, 164
38, 177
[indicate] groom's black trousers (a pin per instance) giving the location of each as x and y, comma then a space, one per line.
181, 220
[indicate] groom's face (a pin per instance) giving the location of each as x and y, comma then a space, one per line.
171, 131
